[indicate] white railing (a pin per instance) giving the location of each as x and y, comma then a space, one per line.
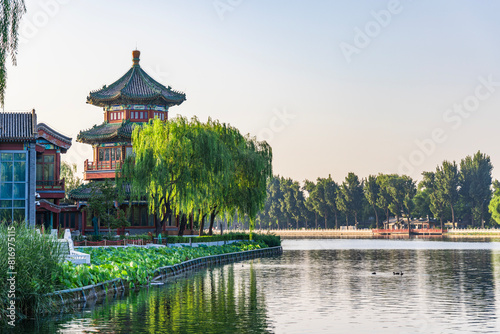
74, 256
474, 230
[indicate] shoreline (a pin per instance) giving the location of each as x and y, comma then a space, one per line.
96, 293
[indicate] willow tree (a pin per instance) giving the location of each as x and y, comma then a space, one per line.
193, 167
10, 16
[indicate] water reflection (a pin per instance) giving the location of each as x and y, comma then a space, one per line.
318, 286
218, 300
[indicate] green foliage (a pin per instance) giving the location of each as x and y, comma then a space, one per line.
350, 196
189, 166
102, 204
37, 260
71, 180
371, 190
475, 182
494, 208
11, 14
136, 265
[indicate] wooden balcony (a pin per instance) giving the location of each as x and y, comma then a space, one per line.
50, 185
51, 189
101, 165
100, 169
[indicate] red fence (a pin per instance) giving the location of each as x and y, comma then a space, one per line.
139, 242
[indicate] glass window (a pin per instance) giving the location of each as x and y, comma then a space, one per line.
6, 190
106, 154
48, 172
112, 154
20, 190
48, 158
19, 204
19, 171
118, 153
6, 215
13, 184
19, 215
6, 171
101, 154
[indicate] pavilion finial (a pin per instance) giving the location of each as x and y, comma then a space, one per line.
136, 57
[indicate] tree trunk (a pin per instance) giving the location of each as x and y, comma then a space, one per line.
336, 221
316, 219
346, 219
212, 219
452, 215
202, 224
182, 225
376, 216
482, 217
387, 218
326, 217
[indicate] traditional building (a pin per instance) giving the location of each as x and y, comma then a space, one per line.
132, 100
17, 167
50, 187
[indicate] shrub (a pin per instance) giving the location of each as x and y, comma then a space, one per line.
36, 265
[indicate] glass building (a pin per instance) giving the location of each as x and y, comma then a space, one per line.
17, 167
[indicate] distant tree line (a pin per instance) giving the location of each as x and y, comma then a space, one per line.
456, 193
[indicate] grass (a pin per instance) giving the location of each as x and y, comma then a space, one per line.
35, 260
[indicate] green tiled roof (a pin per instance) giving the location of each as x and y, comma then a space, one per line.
81, 193
136, 87
106, 132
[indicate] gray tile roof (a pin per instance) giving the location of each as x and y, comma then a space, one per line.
20, 126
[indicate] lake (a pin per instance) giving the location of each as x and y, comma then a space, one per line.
316, 286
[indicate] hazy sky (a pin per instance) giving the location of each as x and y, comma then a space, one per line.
333, 86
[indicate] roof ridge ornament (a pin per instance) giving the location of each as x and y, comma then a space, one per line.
136, 54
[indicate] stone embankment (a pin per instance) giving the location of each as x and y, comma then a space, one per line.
92, 293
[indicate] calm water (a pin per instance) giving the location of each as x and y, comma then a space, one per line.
317, 286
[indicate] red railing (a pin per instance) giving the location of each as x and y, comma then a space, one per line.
101, 165
50, 185
392, 231
110, 242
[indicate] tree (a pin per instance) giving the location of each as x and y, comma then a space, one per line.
320, 203
309, 203
422, 203
371, 191
446, 185
331, 189
102, 204
275, 213
191, 167
384, 199
11, 14
350, 196
475, 182
71, 181
437, 203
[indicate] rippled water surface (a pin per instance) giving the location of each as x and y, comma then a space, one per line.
317, 286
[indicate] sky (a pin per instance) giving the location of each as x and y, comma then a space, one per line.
334, 86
